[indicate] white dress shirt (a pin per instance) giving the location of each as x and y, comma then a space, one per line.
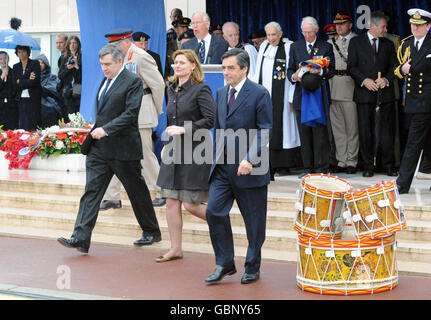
110, 84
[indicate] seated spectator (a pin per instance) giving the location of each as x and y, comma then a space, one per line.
51, 110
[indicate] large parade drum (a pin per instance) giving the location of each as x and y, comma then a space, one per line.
375, 211
347, 267
320, 206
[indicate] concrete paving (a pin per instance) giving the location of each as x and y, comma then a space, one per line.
43, 269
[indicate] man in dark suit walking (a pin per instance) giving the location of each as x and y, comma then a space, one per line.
240, 169
315, 145
115, 149
369, 54
415, 66
208, 48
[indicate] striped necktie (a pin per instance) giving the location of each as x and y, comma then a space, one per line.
202, 52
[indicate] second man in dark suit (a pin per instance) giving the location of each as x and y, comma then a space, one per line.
369, 54
240, 170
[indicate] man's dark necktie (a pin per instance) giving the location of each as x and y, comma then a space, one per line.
417, 45
310, 48
374, 45
108, 81
231, 99
202, 52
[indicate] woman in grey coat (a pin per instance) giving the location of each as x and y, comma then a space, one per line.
183, 180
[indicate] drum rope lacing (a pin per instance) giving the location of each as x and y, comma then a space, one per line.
374, 215
371, 278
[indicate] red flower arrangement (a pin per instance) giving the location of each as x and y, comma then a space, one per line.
55, 141
11, 142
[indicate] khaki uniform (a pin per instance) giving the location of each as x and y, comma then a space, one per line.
141, 63
343, 114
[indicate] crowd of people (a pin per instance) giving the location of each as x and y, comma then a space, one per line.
31, 96
353, 136
331, 105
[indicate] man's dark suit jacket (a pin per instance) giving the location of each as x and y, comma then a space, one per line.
218, 46
252, 109
362, 63
298, 53
118, 116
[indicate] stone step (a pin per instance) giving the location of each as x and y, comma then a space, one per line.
278, 243
112, 225
404, 266
278, 220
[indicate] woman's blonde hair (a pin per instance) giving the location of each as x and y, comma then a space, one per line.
197, 75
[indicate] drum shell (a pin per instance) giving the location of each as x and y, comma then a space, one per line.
329, 205
351, 266
365, 202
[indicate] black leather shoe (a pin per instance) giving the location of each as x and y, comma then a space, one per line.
147, 240
391, 172
219, 273
368, 173
350, 170
159, 202
108, 204
250, 277
81, 246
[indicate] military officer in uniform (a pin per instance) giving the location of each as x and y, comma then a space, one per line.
140, 39
173, 44
414, 57
141, 63
343, 113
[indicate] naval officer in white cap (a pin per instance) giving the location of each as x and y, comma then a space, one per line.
414, 55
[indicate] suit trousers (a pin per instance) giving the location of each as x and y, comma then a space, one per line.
99, 172
150, 168
367, 127
315, 146
252, 203
419, 135
344, 122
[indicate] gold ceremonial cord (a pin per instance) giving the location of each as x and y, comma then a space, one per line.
402, 57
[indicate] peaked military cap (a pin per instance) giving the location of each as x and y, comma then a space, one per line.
342, 17
330, 29
140, 36
419, 16
182, 22
119, 34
